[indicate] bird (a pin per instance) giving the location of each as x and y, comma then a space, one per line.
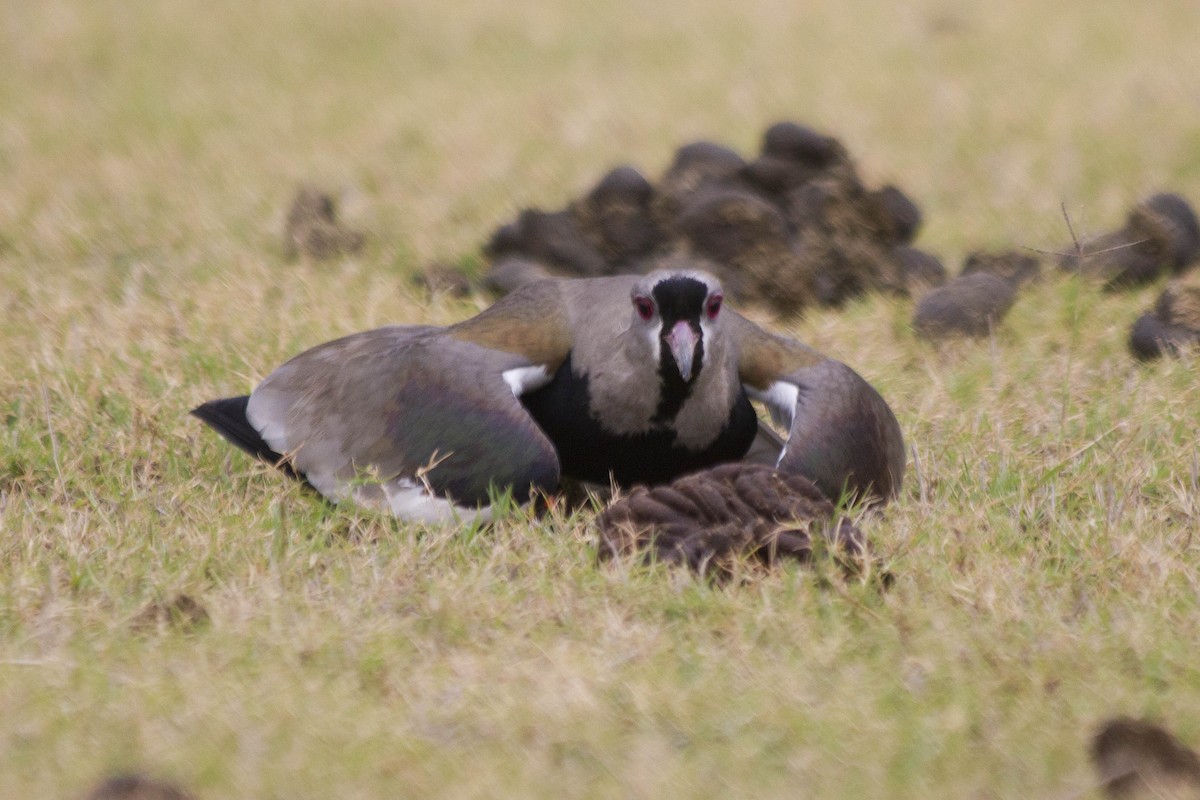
621, 380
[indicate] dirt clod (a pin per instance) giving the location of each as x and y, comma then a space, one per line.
1173, 325
1014, 266
313, 230
792, 227
918, 271
1161, 235
969, 305
1137, 758
181, 612
709, 521
136, 787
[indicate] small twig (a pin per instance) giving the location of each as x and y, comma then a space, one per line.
1079, 251
1079, 245
434, 461
1071, 228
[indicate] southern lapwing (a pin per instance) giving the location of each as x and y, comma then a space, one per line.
632, 379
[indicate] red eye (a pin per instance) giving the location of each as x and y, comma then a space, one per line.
714, 306
644, 306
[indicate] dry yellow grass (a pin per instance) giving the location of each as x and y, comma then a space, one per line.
1045, 550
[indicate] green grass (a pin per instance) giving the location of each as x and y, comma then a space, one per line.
1045, 551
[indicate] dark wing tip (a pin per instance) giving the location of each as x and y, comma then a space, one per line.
227, 416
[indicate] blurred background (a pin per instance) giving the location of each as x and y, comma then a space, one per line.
149, 151
160, 127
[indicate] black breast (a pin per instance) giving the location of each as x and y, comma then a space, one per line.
588, 452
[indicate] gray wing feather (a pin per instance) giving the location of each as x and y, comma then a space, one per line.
404, 406
843, 435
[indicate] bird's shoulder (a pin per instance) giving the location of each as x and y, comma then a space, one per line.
764, 357
545, 321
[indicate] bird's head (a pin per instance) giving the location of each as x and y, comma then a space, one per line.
677, 310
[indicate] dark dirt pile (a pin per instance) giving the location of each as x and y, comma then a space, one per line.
312, 229
181, 612
792, 227
1137, 758
711, 520
975, 302
1161, 236
136, 787
1173, 325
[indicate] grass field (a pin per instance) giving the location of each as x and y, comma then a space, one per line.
1045, 550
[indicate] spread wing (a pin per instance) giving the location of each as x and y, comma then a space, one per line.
841, 433
420, 420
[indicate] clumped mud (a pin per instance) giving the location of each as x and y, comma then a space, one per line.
1161, 236
313, 230
1139, 758
136, 787
792, 227
976, 301
1173, 325
710, 521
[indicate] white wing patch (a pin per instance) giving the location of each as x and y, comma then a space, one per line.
780, 399
526, 379
410, 500
266, 412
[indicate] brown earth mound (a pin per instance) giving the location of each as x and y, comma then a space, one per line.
615, 218
711, 520
312, 228
1161, 235
1174, 323
969, 305
136, 787
746, 238
1014, 266
791, 227
1136, 758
